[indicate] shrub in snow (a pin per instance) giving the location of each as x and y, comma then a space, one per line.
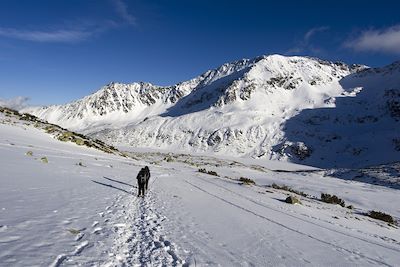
289, 189
8, 111
29, 117
332, 199
292, 200
202, 170
44, 160
79, 142
208, 172
381, 216
50, 129
168, 159
247, 181
65, 136
212, 173
73, 231
29, 153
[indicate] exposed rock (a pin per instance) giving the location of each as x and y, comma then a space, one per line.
298, 149
393, 102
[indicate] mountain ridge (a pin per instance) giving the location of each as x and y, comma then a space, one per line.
148, 93
241, 108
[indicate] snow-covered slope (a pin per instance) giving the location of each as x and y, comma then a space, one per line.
117, 104
248, 108
361, 130
79, 208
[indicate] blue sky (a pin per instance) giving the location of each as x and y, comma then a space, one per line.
53, 52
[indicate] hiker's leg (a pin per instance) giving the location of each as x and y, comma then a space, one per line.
147, 183
142, 186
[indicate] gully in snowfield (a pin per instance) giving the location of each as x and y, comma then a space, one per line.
143, 180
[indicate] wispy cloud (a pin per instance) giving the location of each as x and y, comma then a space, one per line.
16, 103
72, 31
305, 44
122, 10
384, 41
314, 31
52, 36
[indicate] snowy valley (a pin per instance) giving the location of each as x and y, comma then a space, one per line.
271, 161
64, 202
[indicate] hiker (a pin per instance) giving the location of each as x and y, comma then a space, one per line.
147, 176
141, 180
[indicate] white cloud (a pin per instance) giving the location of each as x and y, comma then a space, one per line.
122, 10
72, 31
16, 103
304, 45
312, 32
75, 31
56, 36
385, 41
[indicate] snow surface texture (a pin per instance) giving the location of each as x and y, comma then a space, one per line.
296, 109
80, 208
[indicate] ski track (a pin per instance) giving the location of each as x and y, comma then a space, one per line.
301, 219
317, 239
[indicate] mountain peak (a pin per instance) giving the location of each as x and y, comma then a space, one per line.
227, 84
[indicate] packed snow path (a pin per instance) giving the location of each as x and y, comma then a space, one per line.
141, 238
81, 208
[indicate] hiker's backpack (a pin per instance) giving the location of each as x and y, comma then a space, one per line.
142, 176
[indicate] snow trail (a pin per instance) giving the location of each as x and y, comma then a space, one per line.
141, 239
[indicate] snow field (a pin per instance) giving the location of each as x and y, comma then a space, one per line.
63, 213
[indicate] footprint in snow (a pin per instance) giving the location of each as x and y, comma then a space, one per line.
79, 236
79, 248
97, 230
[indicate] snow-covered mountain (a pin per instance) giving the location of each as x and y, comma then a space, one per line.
361, 130
118, 104
267, 107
